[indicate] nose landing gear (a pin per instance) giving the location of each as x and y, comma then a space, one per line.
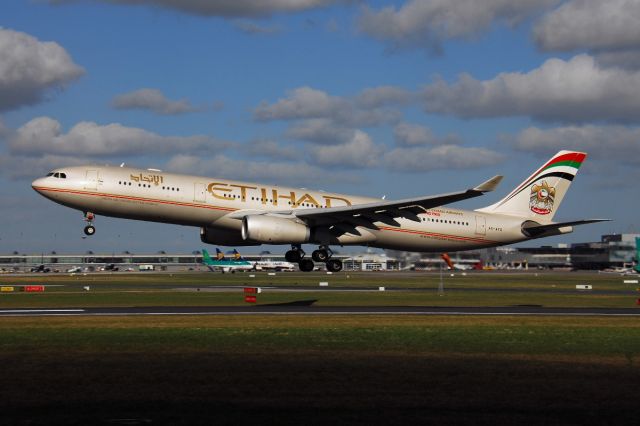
89, 229
323, 255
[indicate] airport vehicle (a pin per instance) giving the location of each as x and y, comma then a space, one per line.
41, 268
110, 267
233, 213
221, 263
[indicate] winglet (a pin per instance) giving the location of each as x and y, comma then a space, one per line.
489, 185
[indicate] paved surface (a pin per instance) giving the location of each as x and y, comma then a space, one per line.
302, 288
306, 308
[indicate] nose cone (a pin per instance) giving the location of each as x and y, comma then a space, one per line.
37, 184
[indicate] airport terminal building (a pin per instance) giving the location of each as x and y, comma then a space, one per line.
130, 262
612, 251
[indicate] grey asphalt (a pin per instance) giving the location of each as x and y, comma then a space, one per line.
305, 307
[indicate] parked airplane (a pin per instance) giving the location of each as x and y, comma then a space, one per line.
637, 267
232, 213
459, 266
267, 265
220, 263
274, 265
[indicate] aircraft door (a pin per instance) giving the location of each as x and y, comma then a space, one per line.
200, 192
91, 181
481, 225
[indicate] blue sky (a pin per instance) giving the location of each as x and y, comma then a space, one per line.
396, 98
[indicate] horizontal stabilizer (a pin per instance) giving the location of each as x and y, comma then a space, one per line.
534, 230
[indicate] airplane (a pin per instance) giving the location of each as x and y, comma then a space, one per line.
220, 263
459, 266
272, 265
233, 213
637, 267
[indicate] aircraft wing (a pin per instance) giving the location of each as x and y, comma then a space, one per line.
387, 211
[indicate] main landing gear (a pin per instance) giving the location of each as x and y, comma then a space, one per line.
89, 229
322, 255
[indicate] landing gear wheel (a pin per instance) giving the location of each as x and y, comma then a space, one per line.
306, 265
293, 256
334, 265
320, 255
88, 218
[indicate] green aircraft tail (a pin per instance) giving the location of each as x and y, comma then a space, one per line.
638, 255
206, 258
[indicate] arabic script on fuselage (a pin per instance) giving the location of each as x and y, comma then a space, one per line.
154, 179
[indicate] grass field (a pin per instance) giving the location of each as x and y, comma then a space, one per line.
318, 370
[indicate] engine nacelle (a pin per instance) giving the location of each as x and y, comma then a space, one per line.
223, 237
274, 230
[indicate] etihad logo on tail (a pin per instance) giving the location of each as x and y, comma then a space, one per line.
542, 198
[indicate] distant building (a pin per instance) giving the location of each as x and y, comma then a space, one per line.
618, 250
370, 262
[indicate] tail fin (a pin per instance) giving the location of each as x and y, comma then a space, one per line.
539, 197
447, 260
219, 254
236, 255
206, 258
638, 255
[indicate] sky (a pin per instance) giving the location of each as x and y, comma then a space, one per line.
378, 98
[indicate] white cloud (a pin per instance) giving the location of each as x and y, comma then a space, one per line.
303, 102
225, 8
152, 100
359, 152
626, 59
29, 69
4, 130
292, 174
377, 97
604, 143
424, 159
363, 110
19, 167
43, 135
590, 24
408, 134
427, 24
320, 131
564, 91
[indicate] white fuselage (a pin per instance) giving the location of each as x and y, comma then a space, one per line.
152, 195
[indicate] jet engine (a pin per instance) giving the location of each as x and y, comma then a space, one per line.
274, 230
223, 237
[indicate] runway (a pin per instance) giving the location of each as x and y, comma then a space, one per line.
303, 308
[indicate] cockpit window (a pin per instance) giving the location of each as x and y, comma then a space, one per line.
59, 175
56, 175
49, 174
63, 175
